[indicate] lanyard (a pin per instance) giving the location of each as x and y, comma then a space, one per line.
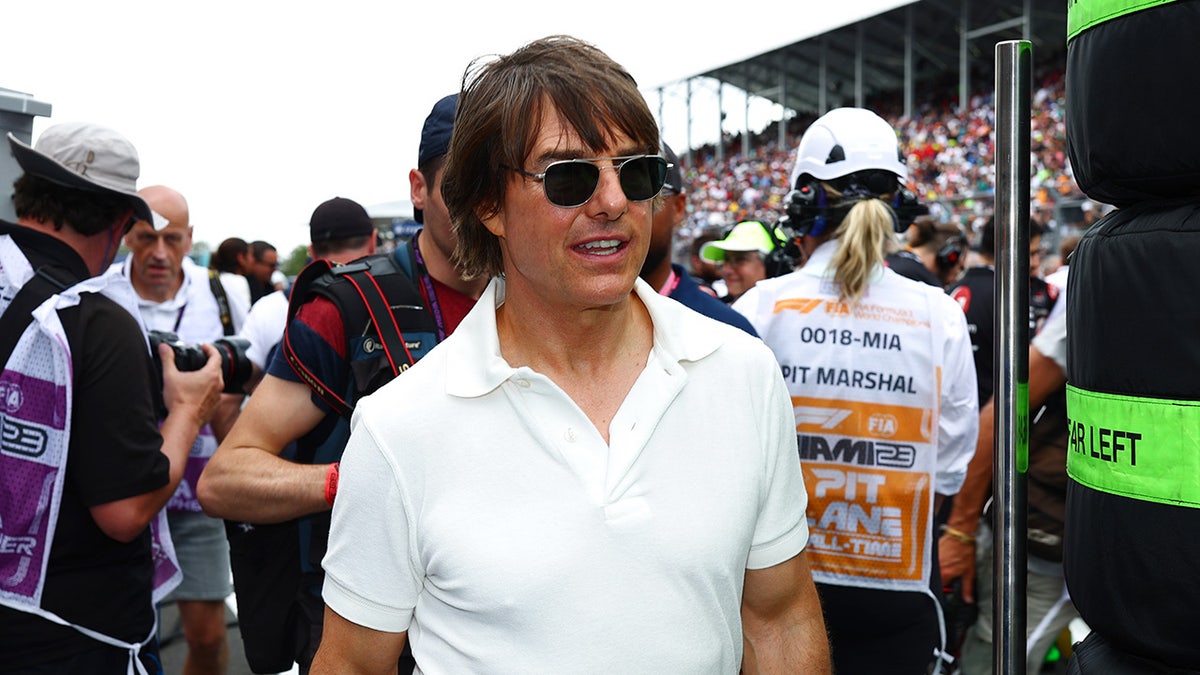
430, 291
672, 283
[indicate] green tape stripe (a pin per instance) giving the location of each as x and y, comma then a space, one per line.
1143, 448
1022, 427
1085, 14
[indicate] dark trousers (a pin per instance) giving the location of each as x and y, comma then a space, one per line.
1096, 656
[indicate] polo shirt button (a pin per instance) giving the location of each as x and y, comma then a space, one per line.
569, 434
523, 383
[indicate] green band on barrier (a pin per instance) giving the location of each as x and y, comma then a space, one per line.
1022, 427
1143, 448
1085, 14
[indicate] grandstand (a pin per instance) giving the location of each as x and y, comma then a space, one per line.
928, 67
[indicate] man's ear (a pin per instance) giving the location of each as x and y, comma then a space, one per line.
418, 189
494, 222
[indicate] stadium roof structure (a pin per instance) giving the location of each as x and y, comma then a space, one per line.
889, 48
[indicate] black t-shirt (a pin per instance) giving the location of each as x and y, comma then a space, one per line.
974, 291
114, 453
907, 264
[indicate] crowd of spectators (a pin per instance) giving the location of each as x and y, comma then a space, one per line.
951, 161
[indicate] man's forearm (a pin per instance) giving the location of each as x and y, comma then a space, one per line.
968, 503
250, 484
796, 645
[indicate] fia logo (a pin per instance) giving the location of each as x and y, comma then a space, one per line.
11, 397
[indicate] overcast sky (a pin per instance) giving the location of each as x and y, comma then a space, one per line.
258, 110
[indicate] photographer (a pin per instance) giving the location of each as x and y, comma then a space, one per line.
81, 433
176, 295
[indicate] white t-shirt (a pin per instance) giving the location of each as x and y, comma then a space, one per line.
480, 510
264, 327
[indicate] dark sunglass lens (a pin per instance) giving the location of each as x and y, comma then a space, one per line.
642, 178
571, 183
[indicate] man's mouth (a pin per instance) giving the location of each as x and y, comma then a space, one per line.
601, 246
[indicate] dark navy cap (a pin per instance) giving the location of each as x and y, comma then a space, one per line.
435, 136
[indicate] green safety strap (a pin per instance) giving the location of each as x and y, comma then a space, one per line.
1085, 14
1143, 448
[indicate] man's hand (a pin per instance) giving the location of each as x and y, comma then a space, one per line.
957, 560
196, 392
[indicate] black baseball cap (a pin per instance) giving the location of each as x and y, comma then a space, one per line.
339, 218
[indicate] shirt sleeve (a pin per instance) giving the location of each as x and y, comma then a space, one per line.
371, 577
958, 424
115, 447
782, 529
318, 338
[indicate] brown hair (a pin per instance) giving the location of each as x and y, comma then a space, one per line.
88, 213
498, 121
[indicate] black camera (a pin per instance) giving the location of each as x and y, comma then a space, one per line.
235, 365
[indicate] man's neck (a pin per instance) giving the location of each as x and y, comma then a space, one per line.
594, 355
550, 340
657, 278
437, 263
157, 293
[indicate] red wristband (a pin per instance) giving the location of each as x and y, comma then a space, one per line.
331, 481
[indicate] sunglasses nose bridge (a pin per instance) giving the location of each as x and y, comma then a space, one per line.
609, 186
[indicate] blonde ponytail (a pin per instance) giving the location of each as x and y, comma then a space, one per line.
861, 239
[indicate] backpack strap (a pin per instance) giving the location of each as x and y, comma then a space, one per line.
18, 316
218, 291
365, 296
299, 295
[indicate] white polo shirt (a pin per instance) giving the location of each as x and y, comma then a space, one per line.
480, 510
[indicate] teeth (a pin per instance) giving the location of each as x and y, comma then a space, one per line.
609, 246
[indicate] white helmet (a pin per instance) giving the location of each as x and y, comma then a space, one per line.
845, 141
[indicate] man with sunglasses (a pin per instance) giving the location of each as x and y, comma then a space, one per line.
84, 467
597, 479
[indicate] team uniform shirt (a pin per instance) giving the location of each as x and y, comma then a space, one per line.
519, 539
975, 292
194, 315
886, 414
65, 568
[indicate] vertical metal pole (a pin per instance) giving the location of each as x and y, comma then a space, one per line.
908, 62
746, 116
964, 83
720, 121
823, 79
783, 100
1014, 61
688, 105
859, 40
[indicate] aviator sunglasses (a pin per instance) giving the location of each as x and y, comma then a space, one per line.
572, 182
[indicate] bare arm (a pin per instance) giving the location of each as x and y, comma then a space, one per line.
782, 625
226, 414
957, 558
246, 479
191, 400
347, 647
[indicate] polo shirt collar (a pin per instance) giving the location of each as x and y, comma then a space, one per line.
475, 367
